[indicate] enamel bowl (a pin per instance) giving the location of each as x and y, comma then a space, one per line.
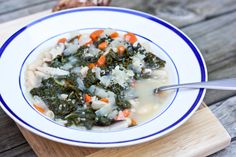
184, 64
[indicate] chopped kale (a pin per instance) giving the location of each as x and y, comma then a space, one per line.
59, 61
50, 91
61, 107
122, 103
81, 51
84, 117
130, 51
90, 79
116, 88
152, 61
103, 121
62, 94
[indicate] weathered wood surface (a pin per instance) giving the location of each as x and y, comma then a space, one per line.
216, 38
209, 23
12, 9
225, 111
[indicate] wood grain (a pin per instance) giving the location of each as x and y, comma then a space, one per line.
226, 112
216, 40
44, 148
23, 150
10, 135
186, 12
181, 12
229, 151
14, 5
27, 11
213, 19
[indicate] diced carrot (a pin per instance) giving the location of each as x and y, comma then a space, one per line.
104, 100
88, 43
101, 60
121, 50
91, 65
62, 40
114, 35
126, 112
120, 116
133, 122
78, 36
130, 37
87, 98
95, 35
103, 45
40, 109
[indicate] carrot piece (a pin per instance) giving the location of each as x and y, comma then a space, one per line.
101, 60
130, 37
87, 98
114, 35
120, 116
133, 122
91, 65
78, 36
121, 50
126, 112
62, 40
40, 109
104, 100
95, 35
103, 45
88, 43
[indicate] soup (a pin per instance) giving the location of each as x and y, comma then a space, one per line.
101, 81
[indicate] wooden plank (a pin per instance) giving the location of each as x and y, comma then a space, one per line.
23, 150
13, 5
225, 111
216, 25
216, 39
10, 135
43, 147
27, 11
229, 151
181, 12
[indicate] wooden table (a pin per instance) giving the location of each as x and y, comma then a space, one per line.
211, 24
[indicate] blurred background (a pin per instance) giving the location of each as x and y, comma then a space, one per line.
211, 24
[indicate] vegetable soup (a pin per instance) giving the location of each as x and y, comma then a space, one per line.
100, 81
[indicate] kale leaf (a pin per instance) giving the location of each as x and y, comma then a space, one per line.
152, 61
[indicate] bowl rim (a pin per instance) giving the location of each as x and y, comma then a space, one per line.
153, 18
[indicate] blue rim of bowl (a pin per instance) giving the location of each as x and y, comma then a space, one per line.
120, 30
120, 10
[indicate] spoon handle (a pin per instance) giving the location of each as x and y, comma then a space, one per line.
226, 84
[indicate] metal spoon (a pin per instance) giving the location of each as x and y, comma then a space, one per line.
225, 84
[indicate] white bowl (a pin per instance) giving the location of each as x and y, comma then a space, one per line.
184, 63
